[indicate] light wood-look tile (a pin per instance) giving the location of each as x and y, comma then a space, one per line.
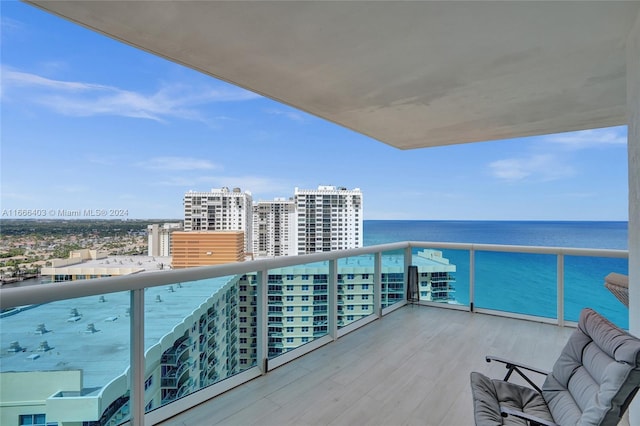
409, 368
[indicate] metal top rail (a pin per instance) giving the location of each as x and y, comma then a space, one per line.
37, 294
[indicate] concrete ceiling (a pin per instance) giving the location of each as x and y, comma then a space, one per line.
410, 74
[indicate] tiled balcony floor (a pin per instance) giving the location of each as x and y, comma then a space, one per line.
410, 367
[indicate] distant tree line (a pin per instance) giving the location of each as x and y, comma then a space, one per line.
81, 227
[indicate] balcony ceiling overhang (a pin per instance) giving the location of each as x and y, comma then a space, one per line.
410, 74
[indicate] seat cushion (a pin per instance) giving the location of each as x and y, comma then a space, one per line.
595, 374
490, 394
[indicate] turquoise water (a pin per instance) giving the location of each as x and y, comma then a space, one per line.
523, 283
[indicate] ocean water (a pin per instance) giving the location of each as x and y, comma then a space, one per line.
602, 235
523, 283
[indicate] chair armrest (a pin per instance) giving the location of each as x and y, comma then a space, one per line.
532, 420
509, 363
512, 366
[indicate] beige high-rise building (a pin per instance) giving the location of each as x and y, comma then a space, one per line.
201, 248
220, 210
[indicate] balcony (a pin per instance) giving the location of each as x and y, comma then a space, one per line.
412, 362
417, 374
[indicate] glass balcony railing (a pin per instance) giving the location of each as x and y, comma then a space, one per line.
110, 350
394, 288
356, 296
520, 283
583, 278
299, 314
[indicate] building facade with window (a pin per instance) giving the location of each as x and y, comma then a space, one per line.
274, 228
328, 218
159, 238
298, 309
201, 248
220, 210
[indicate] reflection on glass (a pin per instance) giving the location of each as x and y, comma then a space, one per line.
69, 359
297, 306
392, 277
198, 333
584, 287
355, 288
435, 276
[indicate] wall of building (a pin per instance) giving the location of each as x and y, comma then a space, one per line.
274, 228
159, 238
329, 218
26, 393
220, 210
201, 248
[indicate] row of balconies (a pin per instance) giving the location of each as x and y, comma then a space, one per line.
172, 378
173, 355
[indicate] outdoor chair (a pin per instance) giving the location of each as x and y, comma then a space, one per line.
592, 382
618, 285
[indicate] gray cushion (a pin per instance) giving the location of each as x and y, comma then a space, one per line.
595, 373
489, 395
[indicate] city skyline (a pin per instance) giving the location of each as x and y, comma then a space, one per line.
89, 123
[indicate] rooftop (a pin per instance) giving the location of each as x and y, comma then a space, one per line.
103, 354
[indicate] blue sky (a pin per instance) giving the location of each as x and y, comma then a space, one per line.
90, 123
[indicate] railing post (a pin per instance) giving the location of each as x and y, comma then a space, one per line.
332, 299
377, 284
472, 277
262, 313
136, 393
407, 262
560, 290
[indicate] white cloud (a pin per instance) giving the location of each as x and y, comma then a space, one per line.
102, 160
83, 99
543, 167
291, 115
17, 196
72, 189
9, 26
579, 195
177, 163
590, 138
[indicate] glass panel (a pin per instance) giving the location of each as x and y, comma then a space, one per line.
392, 277
297, 306
459, 259
70, 357
26, 419
355, 288
436, 276
520, 283
584, 287
197, 334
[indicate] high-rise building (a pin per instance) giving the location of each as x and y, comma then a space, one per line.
274, 228
159, 238
220, 210
328, 218
201, 248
